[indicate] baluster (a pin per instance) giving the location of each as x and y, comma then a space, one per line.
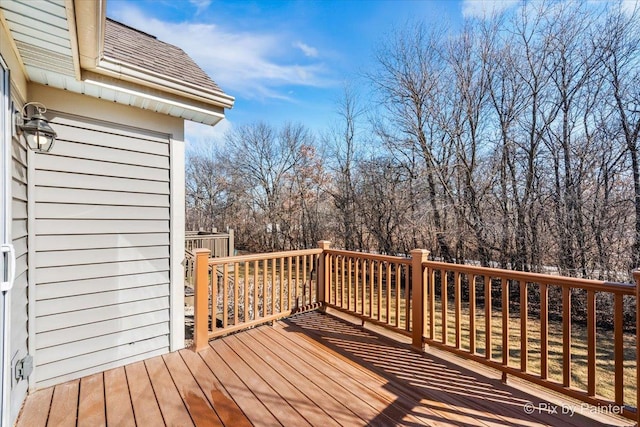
566, 336
487, 317
236, 297
472, 314
544, 331
618, 350
524, 336
591, 343
225, 293
505, 326
443, 303
457, 306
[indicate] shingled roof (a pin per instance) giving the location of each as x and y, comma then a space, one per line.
143, 50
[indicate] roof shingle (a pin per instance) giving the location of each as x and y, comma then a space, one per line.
143, 50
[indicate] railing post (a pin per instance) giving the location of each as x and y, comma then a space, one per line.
323, 275
231, 243
418, 256
201, 300
636, 275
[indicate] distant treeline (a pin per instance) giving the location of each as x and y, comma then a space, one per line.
511, 142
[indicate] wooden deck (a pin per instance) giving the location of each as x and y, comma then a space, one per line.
311, 369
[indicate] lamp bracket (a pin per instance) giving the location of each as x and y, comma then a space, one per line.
39, 107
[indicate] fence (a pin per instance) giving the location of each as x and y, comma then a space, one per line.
518, 323
220, 244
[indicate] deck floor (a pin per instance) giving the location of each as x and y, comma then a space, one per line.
311, 369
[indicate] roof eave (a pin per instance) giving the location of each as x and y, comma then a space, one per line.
131, 73
90, 21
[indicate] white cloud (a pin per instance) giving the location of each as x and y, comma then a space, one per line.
196, 132
309, 51
484, 8
631, 6
200, 4
242, 63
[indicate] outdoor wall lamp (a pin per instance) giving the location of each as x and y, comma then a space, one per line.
39, 135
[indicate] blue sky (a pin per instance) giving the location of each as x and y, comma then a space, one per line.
284, 61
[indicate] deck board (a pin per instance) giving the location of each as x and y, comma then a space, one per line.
117, 398
226, 409
91, 407
327, 401
278, 406
310, 369
247, 401
35, 411
169, 400
362, 388
64, 405
143, 400
197, 403
283, 383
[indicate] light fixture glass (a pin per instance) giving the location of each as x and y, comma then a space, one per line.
39, 135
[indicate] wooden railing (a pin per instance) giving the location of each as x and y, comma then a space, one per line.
537, 311
234, 293
518, 323
376, 288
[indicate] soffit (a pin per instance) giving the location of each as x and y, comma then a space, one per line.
43, 35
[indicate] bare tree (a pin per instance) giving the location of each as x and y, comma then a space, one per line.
621, 42
408, 78
343, 139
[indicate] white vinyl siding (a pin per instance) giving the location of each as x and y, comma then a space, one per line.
19, 303
102, 249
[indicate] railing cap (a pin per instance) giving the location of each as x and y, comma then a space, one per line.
202, 251
421, 254
324, 244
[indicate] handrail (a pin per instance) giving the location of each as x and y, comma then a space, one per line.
587, 284
369, 256
260, 257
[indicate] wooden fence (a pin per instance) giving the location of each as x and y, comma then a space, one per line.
220, 244
518, 323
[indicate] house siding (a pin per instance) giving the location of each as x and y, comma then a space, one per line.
102, 247
19, 302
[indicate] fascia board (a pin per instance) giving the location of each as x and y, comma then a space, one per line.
90, 19
134, 74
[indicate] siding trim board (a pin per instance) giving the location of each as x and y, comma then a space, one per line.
101, 236
177, 221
